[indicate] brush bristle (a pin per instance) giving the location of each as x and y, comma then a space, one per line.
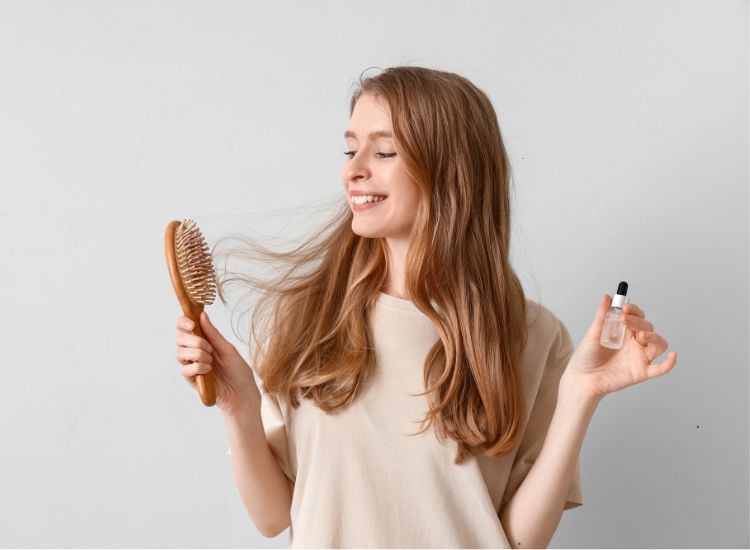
194, 263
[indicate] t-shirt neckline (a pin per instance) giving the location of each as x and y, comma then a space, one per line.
399, 303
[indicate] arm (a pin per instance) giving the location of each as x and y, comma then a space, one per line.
265, 490
532, 515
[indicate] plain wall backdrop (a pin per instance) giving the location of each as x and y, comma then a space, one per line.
627, 127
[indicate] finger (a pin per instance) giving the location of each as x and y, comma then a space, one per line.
633, 309
192, 341
194, 354
654, 342
644, 337
664, 367
595, 330
195, 368
635, 322
213, 336
185, 323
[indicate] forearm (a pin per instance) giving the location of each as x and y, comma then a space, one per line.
532, 515
264, 488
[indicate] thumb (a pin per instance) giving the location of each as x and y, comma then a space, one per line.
595, 330
213, 336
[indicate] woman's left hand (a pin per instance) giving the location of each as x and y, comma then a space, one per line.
594, 371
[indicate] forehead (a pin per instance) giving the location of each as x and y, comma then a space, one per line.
370, 117
371, 135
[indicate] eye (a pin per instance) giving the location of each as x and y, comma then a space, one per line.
384, 155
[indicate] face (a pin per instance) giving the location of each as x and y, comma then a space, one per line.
373, 167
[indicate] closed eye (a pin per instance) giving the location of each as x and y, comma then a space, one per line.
384, 155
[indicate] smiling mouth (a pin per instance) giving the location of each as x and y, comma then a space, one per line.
357, 201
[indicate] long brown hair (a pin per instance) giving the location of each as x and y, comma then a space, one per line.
457, 273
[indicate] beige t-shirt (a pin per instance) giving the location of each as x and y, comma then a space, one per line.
361, 481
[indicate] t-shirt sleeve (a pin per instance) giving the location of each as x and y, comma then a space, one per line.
540, 417
276, 432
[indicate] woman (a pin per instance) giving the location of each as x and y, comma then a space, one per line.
411, 314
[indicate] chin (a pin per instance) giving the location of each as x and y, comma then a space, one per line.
367, 232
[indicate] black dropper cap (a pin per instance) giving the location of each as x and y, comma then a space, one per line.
619, 299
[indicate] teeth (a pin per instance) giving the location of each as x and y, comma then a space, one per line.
361, 199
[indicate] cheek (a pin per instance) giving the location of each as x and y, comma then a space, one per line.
407, 191
404, 206
409, 196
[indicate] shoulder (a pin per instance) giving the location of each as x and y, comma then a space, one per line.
545, 329
541, 321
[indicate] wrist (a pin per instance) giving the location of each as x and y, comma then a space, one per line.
577, 394
247, 413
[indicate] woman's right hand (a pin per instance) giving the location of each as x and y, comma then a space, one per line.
236, 389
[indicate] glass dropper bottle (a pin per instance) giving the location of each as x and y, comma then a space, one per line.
613, 330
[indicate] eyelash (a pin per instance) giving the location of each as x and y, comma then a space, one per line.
385, 155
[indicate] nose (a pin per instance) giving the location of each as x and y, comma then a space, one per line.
356, 168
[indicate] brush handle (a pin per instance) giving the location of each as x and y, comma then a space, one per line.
205, 382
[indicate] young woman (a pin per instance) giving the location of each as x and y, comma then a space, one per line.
411, 317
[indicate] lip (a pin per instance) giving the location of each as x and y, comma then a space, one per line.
367, 205
358, 192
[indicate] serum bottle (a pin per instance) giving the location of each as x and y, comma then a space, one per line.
613, 330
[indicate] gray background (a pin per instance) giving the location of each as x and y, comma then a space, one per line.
627, 127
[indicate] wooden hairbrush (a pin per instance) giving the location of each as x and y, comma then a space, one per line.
194, 282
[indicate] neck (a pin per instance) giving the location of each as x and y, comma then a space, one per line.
396, 250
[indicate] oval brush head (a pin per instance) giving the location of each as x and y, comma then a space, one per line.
194, 280
194, 263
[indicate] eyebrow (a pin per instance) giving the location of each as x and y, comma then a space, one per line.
378, 133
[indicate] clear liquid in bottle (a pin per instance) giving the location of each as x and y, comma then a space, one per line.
613, 329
